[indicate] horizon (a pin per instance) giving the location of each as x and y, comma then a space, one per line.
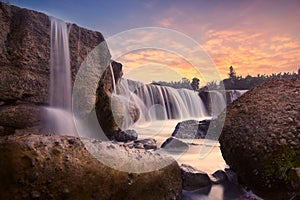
255, 37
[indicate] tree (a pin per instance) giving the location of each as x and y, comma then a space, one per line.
195, 84
232, 74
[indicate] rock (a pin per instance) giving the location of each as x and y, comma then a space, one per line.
174, 145
295, 179
264, 152
106, 111
20, 116
193, 179
35, 194
24, 63
219, 177
205, 95
60, 167
191, 129
126, 135
146, 144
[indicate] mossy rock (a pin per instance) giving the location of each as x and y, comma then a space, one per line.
261, 137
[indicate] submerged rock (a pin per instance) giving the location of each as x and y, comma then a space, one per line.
191, 129
260, 140
193, 179
173, 145
60, 167
219, 177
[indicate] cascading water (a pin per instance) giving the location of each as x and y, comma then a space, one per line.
113, 79
235, 94
60, 74
59, 117
158, 103
218, 100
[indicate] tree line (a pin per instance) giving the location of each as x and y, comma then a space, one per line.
233, 82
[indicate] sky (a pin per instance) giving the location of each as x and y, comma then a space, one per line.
253, 36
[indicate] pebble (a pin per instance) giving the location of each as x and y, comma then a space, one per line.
291, 120
282, 141
293, 143
66, 191
35, 194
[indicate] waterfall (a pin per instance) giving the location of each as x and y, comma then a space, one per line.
60, 68
235, 94
158, 102
59, 117
218, 102
113, 79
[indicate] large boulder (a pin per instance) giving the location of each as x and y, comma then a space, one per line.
261, 138
60, 167
25, 62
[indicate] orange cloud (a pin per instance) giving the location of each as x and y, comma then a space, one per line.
246, 35
156, 59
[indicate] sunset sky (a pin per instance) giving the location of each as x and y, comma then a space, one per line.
254, 36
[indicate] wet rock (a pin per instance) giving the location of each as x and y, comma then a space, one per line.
126, 135
264, 153
109, 110
82, 176
193, 179
175, 145
191, 129
219, 177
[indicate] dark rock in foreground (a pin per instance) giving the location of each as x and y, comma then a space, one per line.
193, 179
173, 145
191, 129
261, 141
126, 136
60, 167
145, 144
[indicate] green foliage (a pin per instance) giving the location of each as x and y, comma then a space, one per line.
281, 166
